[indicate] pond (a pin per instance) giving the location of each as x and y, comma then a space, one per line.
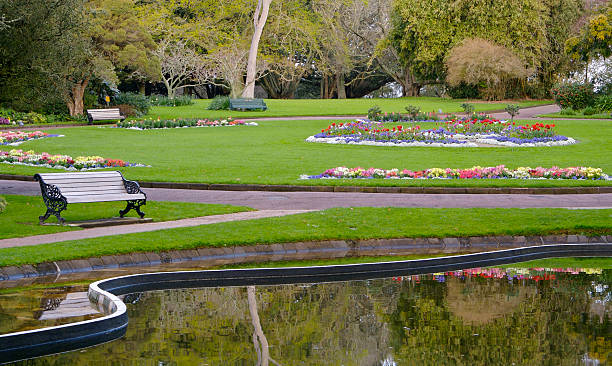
488, 316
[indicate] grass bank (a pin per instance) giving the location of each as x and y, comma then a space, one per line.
332, 224
275, 153
578, 115
332, 107
21, 215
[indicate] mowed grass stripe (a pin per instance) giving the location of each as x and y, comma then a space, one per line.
339, 223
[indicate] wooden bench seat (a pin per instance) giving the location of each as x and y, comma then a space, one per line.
247, 104
104, 114
60, 189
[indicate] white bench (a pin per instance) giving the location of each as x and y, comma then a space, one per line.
60, 189
104, 114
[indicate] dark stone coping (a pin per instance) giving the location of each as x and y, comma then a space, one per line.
40, 342
214, 256
356, 189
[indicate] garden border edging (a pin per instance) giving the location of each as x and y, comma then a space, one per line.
216, 256
357, 189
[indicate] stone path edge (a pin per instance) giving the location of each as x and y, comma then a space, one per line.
357, 189
216, 256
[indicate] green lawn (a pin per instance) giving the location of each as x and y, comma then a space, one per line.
339, 223
21, 215
578, 115
332, 107
275, 153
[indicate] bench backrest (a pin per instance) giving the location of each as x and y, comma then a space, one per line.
247, 104
86, 183
110, 113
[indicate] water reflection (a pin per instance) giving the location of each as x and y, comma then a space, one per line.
472, 317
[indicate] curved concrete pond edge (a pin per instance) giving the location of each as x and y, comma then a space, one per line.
34, 343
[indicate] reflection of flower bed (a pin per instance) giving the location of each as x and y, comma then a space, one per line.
17, 137
47, 160
465, 133
148, 124
498, 172
536, 274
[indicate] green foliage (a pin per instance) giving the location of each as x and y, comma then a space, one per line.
467, 108
567, 112
595, 39
512, 110
604, 102
374, 113
464, 91
413, 111
164, 101
2, 204
574, 95
138, 101
219, 102
589, 111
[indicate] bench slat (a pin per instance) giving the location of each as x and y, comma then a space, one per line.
93, 192
80, 174
105, 198
89, 185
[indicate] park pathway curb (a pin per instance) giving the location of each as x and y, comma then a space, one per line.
217, 256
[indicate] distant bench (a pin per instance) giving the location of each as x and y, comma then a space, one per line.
104, 114
60, 189
247, 104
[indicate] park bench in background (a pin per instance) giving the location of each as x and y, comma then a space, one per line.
60, 189
104, 114
247, 104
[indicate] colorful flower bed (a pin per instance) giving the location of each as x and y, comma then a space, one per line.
466, 133
18, 137
148, 124
47, 160
498, 172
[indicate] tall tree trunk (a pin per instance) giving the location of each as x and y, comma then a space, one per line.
75, 97
259, 21
340, 85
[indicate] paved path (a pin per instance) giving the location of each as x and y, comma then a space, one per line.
140, 228
263, 200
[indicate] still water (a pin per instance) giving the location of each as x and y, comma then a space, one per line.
490, 316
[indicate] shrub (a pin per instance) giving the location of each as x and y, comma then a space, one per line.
374, 113
574, 95
512, 110
219, 102
162, 100
468, 108
567, 112
604, 103
127, 110
413, 111
589, 111
138, 101
2, 204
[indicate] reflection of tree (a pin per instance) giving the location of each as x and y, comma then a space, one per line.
259, 338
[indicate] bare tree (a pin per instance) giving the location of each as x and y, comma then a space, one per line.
181, 66
259, 21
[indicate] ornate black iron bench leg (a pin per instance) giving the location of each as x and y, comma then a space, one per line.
133, 205
60, 219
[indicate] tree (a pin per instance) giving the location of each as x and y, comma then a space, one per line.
594, 41
481, 62
180, 65
259, 21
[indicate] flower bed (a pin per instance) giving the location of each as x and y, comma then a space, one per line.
149, 124
498, 172
47, 160
462, 133
18, 137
